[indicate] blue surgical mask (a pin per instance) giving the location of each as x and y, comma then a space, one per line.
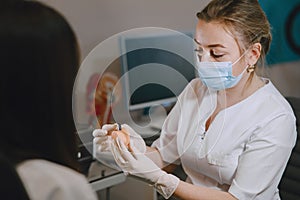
218, 75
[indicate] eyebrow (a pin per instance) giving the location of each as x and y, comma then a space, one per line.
211, 45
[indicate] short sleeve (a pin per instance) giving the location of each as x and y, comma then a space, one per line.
47, 180
262, 164
76, 189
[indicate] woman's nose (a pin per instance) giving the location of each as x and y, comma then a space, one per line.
205, 57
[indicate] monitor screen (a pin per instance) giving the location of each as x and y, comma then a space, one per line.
156, 68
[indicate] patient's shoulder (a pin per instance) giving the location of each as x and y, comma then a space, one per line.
42, 179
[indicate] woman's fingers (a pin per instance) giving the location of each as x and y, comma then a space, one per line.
99, 132
127, 155
110, 127
118, 154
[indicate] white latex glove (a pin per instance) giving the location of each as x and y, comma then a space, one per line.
102, 145
102, 138
138, 164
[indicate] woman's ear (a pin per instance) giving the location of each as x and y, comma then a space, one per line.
254, 54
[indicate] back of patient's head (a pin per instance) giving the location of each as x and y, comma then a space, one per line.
39, 61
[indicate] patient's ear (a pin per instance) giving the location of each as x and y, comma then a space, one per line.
254, 54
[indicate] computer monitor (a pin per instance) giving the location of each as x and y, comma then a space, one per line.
156, 68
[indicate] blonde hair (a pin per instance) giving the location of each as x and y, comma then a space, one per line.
245, 19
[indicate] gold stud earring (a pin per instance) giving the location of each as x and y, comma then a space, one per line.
251, 68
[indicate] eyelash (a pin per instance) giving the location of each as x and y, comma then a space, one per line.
217, 56
199, 51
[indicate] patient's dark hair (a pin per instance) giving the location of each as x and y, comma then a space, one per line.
13, 187
39, 62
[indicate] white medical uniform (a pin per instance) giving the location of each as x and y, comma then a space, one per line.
245, 149
46, 180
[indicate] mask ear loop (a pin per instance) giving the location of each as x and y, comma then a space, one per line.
240, 57
246, 68
250, 68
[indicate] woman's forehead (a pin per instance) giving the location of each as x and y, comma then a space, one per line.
214, 34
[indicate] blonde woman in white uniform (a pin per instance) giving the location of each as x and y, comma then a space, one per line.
231, 130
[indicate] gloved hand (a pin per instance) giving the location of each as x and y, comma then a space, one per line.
138, 164
103, 137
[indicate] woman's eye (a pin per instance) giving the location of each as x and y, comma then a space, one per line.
216, 55
212, 53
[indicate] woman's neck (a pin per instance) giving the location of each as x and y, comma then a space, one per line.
245, 88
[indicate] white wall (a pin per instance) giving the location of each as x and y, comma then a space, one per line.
96, 20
